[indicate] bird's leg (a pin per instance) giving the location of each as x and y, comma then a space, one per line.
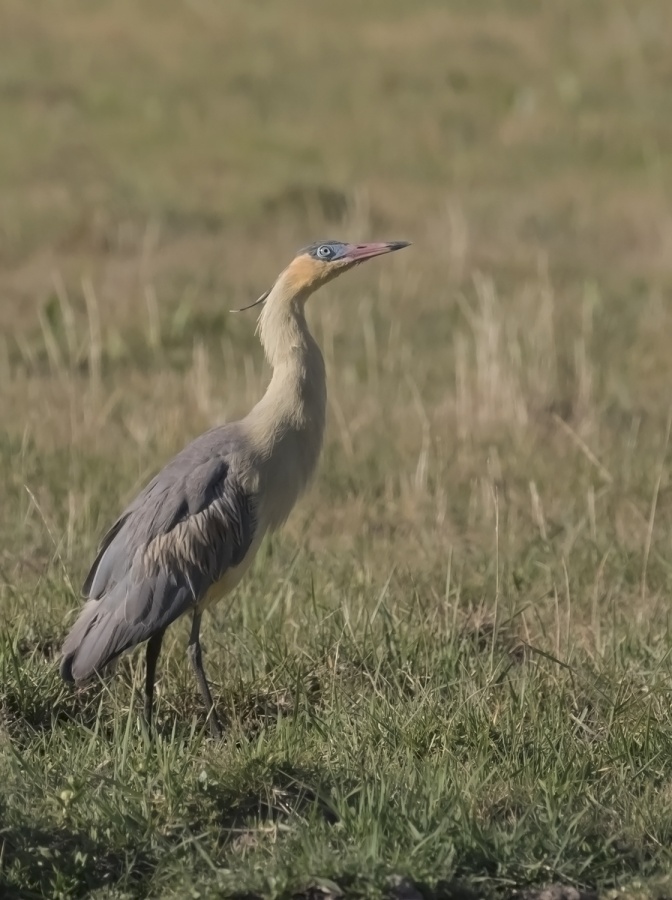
194, 652
153, 651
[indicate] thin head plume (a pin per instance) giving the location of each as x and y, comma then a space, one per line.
331, 258
251, 305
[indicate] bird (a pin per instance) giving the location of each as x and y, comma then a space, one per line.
190, 535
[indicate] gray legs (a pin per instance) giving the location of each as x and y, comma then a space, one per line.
194, 653
153, 651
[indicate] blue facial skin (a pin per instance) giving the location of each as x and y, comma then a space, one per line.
326, 251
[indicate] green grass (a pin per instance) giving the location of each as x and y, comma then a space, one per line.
453, 665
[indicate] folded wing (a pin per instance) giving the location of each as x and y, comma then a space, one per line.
178, 538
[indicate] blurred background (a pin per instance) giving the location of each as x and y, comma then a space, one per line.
499, 393
161, 161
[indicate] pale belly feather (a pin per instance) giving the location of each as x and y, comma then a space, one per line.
232, 576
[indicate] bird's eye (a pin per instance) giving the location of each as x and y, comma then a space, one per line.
324, 252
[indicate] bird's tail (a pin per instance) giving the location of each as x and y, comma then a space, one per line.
128, 615
83, 654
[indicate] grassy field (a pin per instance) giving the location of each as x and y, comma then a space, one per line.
450, 675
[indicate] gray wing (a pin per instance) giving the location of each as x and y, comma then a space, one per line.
190, 524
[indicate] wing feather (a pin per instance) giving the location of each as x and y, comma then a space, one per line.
190, 524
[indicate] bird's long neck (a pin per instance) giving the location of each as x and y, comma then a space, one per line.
298, 386
287, 424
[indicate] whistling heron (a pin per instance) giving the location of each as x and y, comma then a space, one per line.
191, 534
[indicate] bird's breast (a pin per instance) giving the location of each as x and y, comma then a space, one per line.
233, 575
287, 472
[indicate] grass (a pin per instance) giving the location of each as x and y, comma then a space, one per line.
453, 665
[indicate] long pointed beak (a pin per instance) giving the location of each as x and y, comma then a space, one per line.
360, 252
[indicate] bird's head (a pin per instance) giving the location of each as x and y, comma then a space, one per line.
318, 263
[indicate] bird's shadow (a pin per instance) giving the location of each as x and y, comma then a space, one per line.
281, 791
